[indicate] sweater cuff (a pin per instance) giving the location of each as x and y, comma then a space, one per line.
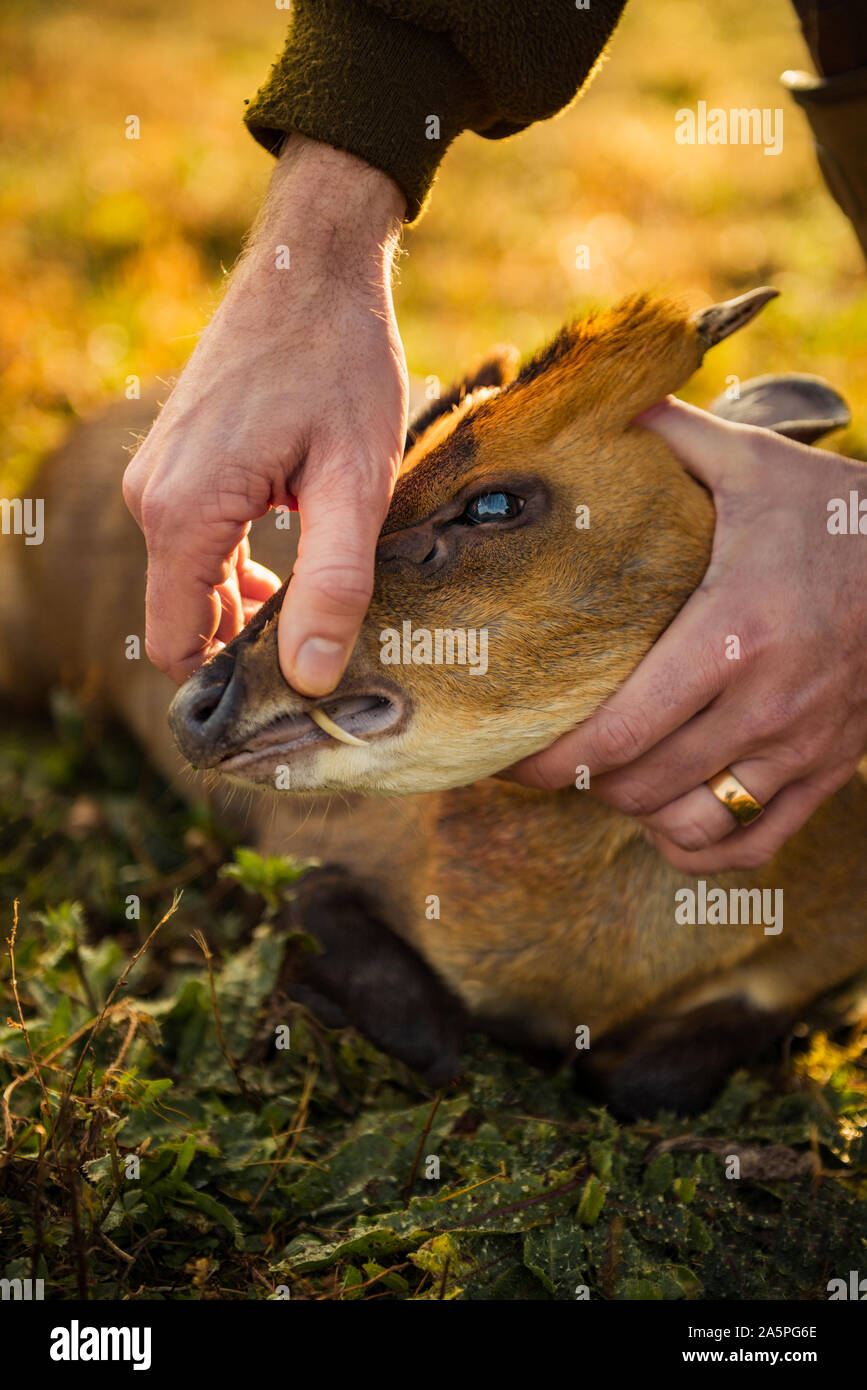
389, 92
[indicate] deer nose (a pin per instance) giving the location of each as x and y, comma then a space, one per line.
205, 709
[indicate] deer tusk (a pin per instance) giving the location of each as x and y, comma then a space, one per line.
321, 718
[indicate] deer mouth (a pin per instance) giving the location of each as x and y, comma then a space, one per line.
350, 719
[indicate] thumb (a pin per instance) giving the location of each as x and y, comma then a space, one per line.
331, 584
705, 445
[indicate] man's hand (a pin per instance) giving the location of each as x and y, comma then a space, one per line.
296, 391
790, 716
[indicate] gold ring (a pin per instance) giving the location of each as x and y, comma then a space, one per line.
733, 794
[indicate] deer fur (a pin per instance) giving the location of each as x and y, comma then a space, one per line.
552, 910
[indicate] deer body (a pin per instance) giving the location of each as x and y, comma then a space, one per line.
540, 912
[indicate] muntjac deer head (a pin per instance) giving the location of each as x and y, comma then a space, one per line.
537, 544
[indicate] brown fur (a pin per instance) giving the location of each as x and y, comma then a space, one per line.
553, 911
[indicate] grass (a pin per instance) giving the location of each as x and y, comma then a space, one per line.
158, 1142
163, 1142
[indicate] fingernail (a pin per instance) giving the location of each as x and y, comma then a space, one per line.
318, 666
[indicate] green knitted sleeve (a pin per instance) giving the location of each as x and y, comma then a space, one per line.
395, 81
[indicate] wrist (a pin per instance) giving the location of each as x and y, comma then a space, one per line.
344, 208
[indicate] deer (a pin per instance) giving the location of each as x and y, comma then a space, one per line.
446, 900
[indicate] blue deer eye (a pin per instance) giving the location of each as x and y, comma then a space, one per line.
492, 506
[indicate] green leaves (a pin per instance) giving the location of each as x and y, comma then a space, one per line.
658, 1176
520, 1189
592, 1202
556, 1254
270, 876
213, 1209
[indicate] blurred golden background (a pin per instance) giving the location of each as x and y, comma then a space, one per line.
112, 251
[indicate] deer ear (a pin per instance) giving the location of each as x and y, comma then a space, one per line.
602, 371
799, 406
496, 369
721, 320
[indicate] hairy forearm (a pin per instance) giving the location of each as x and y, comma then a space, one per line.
326, 207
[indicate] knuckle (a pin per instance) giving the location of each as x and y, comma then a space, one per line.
156, 508
757, 637
797, 756
776, 714
619, 740
631, 798
131, 487
690, 835
342, 589
549, 776
232, 498
170, 510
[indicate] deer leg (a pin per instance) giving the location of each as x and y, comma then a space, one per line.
680, 1061
367, 976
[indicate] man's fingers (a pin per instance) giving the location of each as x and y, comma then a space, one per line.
257, 583
331, 584
732, 726
184, 609
698, 819
180, 637
677, 678
704, 444
232, 617
751, 846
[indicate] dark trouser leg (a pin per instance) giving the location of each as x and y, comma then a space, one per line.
835, 100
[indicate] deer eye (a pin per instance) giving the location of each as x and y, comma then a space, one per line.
492, 506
